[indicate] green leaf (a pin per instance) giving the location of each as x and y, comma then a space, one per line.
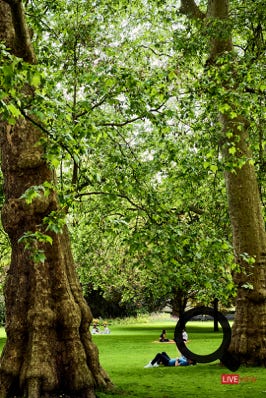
232, 150
36, 79
213, 168
248, 285
14, 110
39, 256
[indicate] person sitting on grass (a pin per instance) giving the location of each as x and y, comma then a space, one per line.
163, 359
106, 329
95, 329
184, 336
163, 338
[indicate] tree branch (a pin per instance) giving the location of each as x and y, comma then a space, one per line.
191, 10
23, 46
96, 104
136, 206
155, 52
128, 121
44, 130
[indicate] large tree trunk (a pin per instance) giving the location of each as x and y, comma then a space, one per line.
249, 242
49, 350
248, 339
249, 239
245, 209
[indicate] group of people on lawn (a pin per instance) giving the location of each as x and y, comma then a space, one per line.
95, 329
162, 358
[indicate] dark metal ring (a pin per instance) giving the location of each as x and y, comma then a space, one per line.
220, 352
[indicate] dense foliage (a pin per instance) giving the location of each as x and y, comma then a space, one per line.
123, 94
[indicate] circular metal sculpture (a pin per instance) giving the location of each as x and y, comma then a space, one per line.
229, 360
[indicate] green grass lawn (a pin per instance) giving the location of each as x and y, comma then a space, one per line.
124, 353
129, 347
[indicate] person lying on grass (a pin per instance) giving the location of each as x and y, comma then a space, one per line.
163, 359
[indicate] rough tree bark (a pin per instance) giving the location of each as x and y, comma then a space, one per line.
49, 351
245, 209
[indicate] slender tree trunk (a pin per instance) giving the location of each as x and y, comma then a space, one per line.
49, 351
249, 239
178, 302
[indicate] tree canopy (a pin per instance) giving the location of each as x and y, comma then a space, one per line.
152, 116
